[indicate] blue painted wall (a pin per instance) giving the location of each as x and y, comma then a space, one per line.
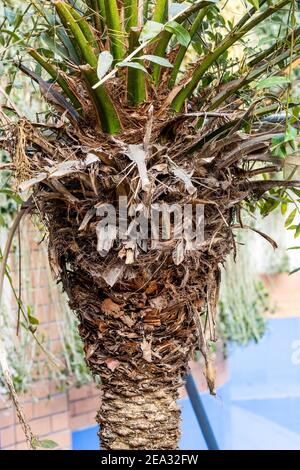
259, 407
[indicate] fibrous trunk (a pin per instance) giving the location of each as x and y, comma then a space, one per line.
141, 355
133, 418
143, 307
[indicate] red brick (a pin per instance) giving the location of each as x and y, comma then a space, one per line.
46, 407
41, 296
28, 410
78, 393
37, 257
54, 308
92, 416
62, 438
7, 417
89, 404
82, 421
59, 403
96, 390
54, 387
42, 313
7, 437
4, 402
54, 331
55, 346
60, 421
22, 446
39, 277
40, 389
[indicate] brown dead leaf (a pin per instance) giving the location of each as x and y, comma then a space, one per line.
147, 351
89, 350
127, 320
102, 327
110, 307
159, 302
112, 364
153, 286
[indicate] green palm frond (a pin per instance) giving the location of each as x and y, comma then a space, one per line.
73, 36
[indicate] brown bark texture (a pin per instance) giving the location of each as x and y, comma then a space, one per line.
142, 309
149, 420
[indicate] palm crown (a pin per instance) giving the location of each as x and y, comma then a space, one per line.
146, 43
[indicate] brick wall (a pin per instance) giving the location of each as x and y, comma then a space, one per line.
51, 413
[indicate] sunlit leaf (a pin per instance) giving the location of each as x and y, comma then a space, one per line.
182, 35
156, 60
44, 444
133, 65
290, 134
294, 271
176, 8
297, 232
9, 193
254, 3
150, 30
105, 61
284, 208
271, 82
290, 218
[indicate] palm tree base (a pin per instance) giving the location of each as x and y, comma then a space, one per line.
138, 421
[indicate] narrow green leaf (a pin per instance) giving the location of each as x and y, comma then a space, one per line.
182, 35
85, 28
2, 221
294, 271
165, 37
254, 3
283, 208
157, 60
150, 30
297, 232
134, 65
33, 320
105, 110
57, 76
234, 36
131, 13
46, 444
14, 196
182, 50
290, 218
271, 82
290, 134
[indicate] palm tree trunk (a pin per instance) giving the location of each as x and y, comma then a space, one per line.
133, 419
141, 357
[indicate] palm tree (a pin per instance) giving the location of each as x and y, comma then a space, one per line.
145, 108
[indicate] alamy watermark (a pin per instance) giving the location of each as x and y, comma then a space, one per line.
158, 222
295, 357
